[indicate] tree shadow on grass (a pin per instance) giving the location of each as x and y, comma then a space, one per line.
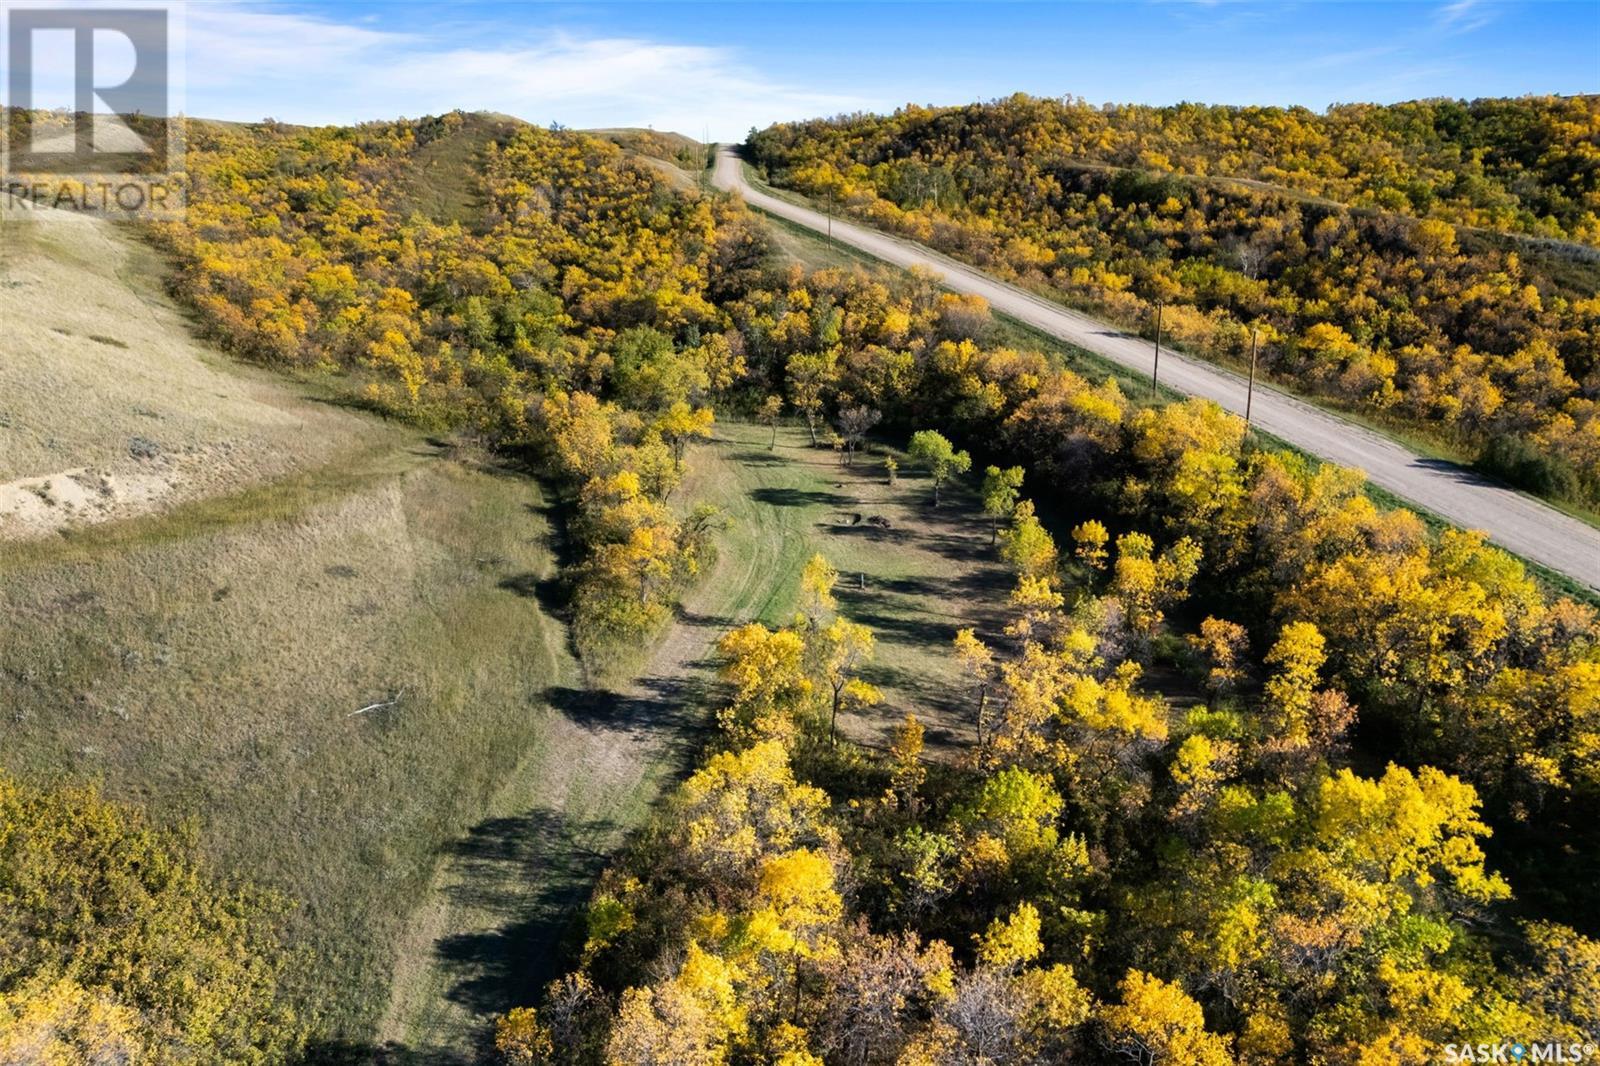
668, 712
529, 875
505, 965
918, 630
924, 693
551, 593
968, 590
787, 497
955, 546
355, 401
718, 623
666, 708
561, 543
524, 939
931, 587
762, 458
869, 531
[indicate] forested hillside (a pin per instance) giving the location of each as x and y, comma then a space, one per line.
1530, 165
1257, 771
332, 668
1368, 245
574, 268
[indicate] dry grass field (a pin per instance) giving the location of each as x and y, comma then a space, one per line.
109, 407
204, 647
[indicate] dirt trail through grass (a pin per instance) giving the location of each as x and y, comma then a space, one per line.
490, 933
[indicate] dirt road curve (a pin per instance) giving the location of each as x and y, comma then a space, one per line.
1514, 521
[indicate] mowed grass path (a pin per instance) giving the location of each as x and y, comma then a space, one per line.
492, 930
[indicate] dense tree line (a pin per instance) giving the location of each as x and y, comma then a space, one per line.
1291, 870
1486, 342
1529, 165
1091, 881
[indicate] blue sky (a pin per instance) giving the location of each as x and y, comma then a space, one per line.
730, 66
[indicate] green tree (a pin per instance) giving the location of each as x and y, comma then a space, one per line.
768, 414
811, 376
1000, 489
843, 648
935, 454
1028, 546
1297, 658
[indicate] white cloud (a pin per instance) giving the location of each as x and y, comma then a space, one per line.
246, 62
231, 44
1463, 16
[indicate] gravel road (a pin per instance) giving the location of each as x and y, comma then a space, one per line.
1515, 521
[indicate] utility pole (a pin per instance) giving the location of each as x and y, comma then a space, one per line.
1250, 395
1155, 368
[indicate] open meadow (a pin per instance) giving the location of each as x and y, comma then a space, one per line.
312, 641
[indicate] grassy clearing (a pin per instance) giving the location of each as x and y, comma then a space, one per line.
911, 572
108, 405
446, 183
